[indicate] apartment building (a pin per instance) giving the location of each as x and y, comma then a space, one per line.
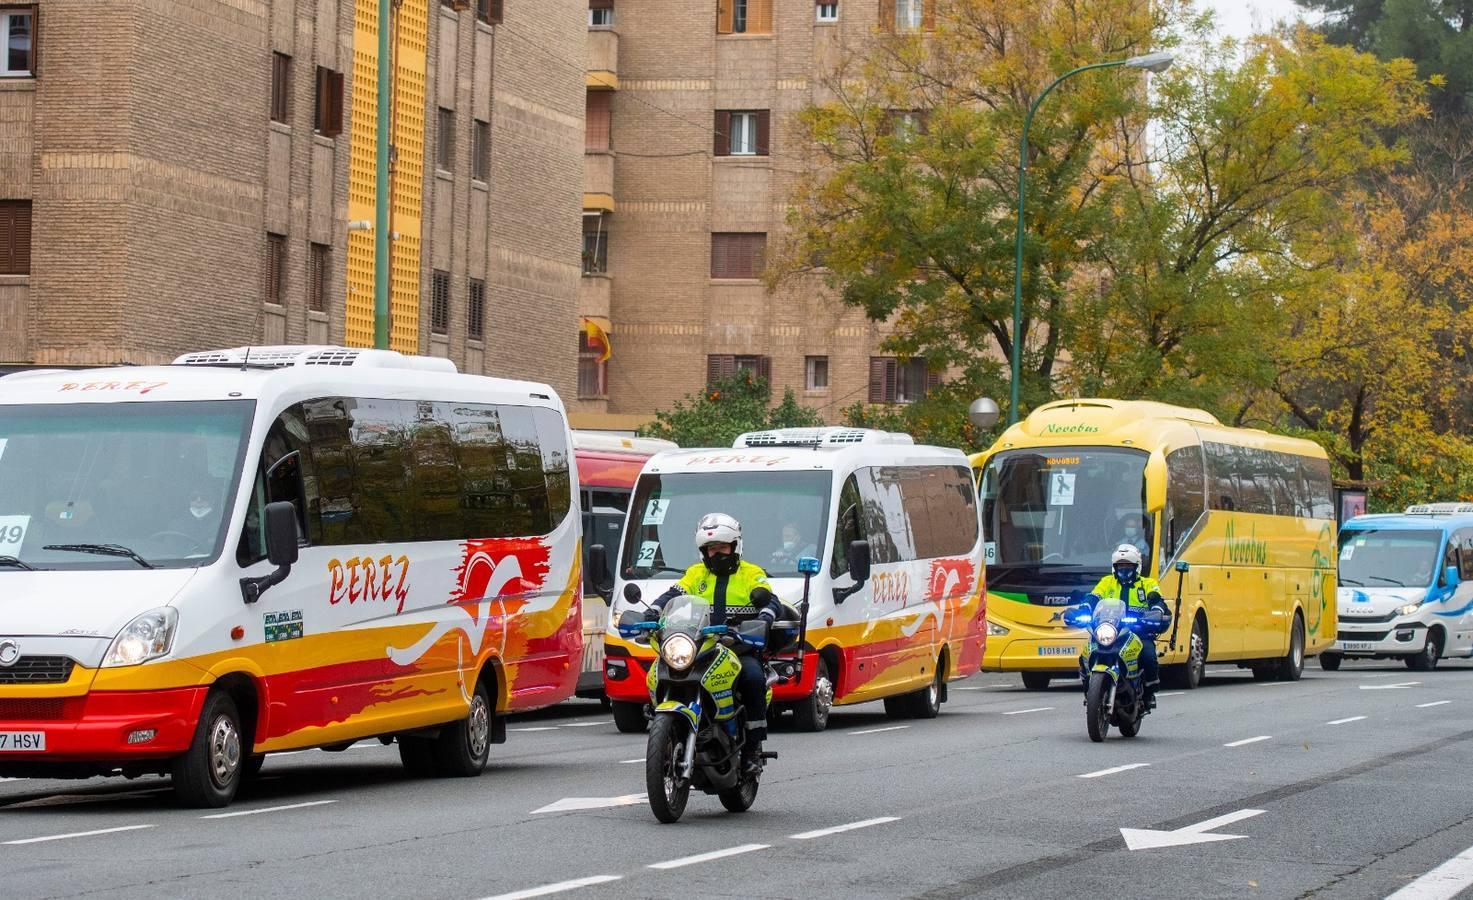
177, 174
689, 156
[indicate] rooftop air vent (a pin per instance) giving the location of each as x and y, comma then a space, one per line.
819, 438
287, 356
1440, 509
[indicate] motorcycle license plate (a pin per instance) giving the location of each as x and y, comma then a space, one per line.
22, 741
1355, 645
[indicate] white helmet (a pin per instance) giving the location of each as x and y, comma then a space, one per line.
718, 528
1125, 553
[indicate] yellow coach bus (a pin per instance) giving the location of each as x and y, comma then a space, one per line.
1250, 512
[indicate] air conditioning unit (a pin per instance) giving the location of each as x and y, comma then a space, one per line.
819, 438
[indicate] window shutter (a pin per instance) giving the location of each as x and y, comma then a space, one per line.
719, 254
759, 16
764, 369
718, 366
599, 119
756, 255
887, 21
7, 239
877, 379
764, 131
928, 15
933, 381
496, 13
724, 13
15, 237
335, 104
722, 145
600, 4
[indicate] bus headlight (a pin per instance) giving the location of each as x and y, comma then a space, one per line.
1409, 608
679, 651
147, 637
1105, 635
996, 630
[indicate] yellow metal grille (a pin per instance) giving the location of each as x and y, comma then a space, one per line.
409, 182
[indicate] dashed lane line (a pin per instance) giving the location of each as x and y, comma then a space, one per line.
1019, 712
625, 762
1252, 740
839, 829
708, 857
78, 834
267, 809
1111, 771
1442, 883
878, 730
1433, 703
1346, 721
557, 888
536, 728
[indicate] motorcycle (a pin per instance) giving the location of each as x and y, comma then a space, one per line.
1114, 690
697, 730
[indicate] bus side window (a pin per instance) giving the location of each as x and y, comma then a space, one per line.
1185, 501
849, 527
280, 475
1465, 553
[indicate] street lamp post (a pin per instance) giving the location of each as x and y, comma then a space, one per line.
1151, 62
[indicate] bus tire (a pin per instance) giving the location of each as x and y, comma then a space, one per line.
1291, 666
1431, 653
1035, 681
922, 704
418, 756
629, 717
253, 764
207, 775
811, 714
1188, 675
463, 746
1330, 662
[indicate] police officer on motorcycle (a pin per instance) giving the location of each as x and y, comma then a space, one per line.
738, 592
1140, 592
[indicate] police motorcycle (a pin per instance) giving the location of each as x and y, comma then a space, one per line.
1114, 685
697, 731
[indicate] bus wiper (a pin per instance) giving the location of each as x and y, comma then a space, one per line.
103, 550
654, 570
15, 563
1387, 580
1348, 581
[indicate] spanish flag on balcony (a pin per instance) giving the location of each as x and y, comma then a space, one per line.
597, 328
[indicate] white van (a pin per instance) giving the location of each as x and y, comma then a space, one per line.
274, 548
897, 610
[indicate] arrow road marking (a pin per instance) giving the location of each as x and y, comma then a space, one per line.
1389, 687
573, 804
1149, 839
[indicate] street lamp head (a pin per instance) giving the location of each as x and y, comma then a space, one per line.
1151, 62
983, 413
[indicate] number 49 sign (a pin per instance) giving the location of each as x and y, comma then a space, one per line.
12, 534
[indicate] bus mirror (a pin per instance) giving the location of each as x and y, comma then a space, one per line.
1183, 566
859, 561
281, 533
598, 567
1450, 577
1155, 482
632, 593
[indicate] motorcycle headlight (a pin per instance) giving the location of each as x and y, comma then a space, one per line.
147, 637
1106, 634
1409, 609
996, 630
679, 651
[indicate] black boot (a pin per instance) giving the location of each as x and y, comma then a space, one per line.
752, 760
1150, 691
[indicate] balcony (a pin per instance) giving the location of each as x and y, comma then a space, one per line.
603, 59
594, 292
598, 181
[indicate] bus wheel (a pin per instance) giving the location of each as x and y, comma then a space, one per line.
629, 717
209, 772
1189, 675
1292, 665
418, 756
812, 712
922, 704
463, 747
253, 764
1330, 662
1034, 681
1427, 660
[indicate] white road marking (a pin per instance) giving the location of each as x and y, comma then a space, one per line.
878, 730
536, 728
837, 829
75, 799
707, 857
575, 804
1433, 703
1103, 772
984, 687
1273, 683
268, 809
557, 888
1019, 712
1442, 883
626, 762
63, 837
582, 724
1252, 740
1171, 694
12, 779
1389, 687
1147, 838
1345, 721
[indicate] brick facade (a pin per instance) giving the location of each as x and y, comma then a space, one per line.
145, 145
671, 192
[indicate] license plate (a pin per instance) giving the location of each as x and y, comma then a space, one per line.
1355, 645
34, 741
1057, 651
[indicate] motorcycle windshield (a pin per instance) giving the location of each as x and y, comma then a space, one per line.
1110, 610
687, 613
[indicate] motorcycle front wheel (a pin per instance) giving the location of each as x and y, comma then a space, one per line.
1097, 710
667, 791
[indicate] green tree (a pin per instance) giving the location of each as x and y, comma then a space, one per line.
729, 407
1436, 34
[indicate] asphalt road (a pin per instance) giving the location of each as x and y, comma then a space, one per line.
1345, 785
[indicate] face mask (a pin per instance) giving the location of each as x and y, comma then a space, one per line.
1125, 573
725, 564
199, 510
1132, 532
789, 545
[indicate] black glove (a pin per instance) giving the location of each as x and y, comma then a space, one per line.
652, 615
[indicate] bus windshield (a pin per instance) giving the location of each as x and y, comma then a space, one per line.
783, 516
118, 485
1064, 507
1374, 557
